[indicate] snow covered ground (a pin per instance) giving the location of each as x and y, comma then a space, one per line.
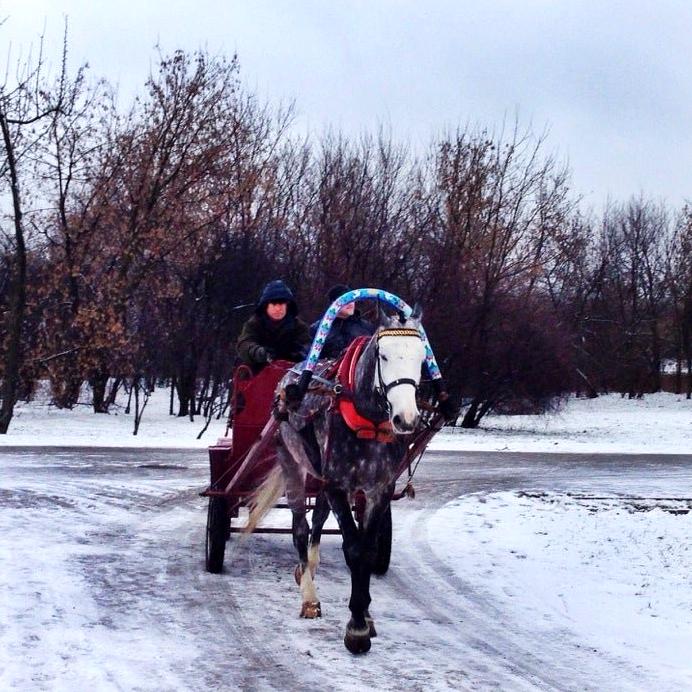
614, 575
658, 423
577, 577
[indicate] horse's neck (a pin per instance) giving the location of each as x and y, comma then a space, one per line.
364, 385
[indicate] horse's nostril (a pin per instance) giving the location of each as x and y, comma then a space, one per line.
397, 420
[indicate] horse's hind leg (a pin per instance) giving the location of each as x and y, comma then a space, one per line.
304, 576
287, 451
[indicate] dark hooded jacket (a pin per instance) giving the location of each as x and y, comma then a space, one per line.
286, 339
342, 333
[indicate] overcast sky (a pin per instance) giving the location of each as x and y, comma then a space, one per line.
611, 81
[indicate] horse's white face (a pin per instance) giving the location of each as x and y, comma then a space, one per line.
401, 359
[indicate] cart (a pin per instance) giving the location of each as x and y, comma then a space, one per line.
240, 462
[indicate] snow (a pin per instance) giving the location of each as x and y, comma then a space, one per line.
40, 423
592, 582
660, 423
617, 577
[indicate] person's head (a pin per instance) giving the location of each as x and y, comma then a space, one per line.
334, 292
276, 301
276, 309
346, 311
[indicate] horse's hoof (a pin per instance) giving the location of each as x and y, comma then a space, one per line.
357, 640
298, 574
311, 610
371, 625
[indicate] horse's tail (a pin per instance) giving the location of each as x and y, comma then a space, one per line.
265, 497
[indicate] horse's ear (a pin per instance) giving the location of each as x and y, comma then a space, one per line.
387, 321
417, 313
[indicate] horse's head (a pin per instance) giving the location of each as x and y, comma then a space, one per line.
400, 356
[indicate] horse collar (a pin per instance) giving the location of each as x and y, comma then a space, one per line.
364, 428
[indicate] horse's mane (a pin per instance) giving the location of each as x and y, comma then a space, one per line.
367, 403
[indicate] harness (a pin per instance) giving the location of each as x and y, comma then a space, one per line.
383, 388
364, 428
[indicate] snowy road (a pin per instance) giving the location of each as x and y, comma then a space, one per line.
103, 587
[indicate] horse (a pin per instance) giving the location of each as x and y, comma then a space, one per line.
313, 438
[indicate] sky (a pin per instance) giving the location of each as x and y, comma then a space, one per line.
609, 82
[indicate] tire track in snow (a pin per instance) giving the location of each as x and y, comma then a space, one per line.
547, 662
235, 651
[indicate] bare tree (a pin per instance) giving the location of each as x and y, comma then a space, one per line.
634, 301
27, 108
679, 266
496, 203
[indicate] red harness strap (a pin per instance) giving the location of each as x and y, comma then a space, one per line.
365, 429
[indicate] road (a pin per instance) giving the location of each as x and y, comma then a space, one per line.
103, 583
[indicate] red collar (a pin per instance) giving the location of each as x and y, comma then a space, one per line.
365, 429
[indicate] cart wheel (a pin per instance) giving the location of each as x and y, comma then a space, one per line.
384, 544
218, 532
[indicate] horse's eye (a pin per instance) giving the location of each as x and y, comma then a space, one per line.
384, 358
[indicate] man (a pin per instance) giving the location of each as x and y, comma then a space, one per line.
346, 327
275, 331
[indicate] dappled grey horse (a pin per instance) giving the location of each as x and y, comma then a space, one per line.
314, 438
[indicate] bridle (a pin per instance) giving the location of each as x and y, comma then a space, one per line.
383, 389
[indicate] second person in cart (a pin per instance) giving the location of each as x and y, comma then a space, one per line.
348, 325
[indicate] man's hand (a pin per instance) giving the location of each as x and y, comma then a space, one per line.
260, 354
293, 396
296, 392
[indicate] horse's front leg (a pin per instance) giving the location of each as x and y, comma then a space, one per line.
358, 632
376, 509
319, 517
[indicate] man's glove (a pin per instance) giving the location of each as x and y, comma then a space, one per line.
259, 354
296, 392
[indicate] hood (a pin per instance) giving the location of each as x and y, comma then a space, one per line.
273, 291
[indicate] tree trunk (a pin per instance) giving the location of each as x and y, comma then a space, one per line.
202, 397
172, 397
135, 387
469, 420
140, 384
113, 392
656, 358
185, 386
17, 292
183, 403
99, 382
65, 391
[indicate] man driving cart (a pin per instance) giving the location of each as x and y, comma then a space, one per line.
274, 332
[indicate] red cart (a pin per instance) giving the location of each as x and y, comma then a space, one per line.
240, 462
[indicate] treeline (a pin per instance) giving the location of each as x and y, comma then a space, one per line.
133, 242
